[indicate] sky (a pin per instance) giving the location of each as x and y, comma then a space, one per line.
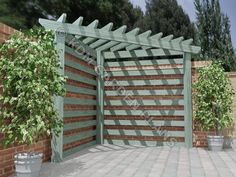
228, 7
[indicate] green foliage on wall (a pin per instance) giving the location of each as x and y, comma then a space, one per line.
29, 70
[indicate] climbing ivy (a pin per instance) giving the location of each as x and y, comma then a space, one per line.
29, 67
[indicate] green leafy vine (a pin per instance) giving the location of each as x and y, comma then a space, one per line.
29, 67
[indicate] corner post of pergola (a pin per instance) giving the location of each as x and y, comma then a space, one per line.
57, 141
188, 100
100, 97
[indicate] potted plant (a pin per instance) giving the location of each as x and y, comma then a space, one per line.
29, 71
213, 103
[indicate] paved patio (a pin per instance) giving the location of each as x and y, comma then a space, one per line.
126, 161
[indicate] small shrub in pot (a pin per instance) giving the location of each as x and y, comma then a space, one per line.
29, 70
213, 102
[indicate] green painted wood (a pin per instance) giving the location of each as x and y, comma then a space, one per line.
143, 143
179, 39
79, 101
188, 42
146, 72
188, 100
62, 18
108, 27
77, 54
120, 46
146, 34
68, 114
143, 102
109, 44
141, 113
96, 33
140, 53
100, 98
94, 25
80, 67
157, 123
76, 149
76, 43
147, 82
154, 37
145, 92
78, 21
78, 137
144, 133
167, 38
74, 89
57, 141
80, 78
76, 125
145, 62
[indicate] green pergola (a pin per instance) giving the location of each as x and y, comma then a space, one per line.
104, 44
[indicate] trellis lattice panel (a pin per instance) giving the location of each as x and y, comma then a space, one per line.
79, 129
144, 102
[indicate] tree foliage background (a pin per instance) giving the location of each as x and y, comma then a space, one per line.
211, 32
25, 13
168, 17
214, 33
161, 16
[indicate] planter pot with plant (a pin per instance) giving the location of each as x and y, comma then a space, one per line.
29, 72
213, 103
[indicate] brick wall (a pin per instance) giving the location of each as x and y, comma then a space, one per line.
7, 154
232, 130
5, 32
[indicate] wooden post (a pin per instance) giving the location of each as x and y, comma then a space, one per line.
100, 97
57, 141
188, 100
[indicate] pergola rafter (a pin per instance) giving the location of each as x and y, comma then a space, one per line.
104, 44
92, 33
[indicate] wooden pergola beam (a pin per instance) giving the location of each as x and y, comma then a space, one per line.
140, 53
107, 35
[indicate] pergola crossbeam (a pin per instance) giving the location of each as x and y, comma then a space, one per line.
188, 42
110, 36
154, 37
134, 32
109, 44
94, 25
140, 53
79, 21
108, 27
179, 39
167, 38
146, 34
